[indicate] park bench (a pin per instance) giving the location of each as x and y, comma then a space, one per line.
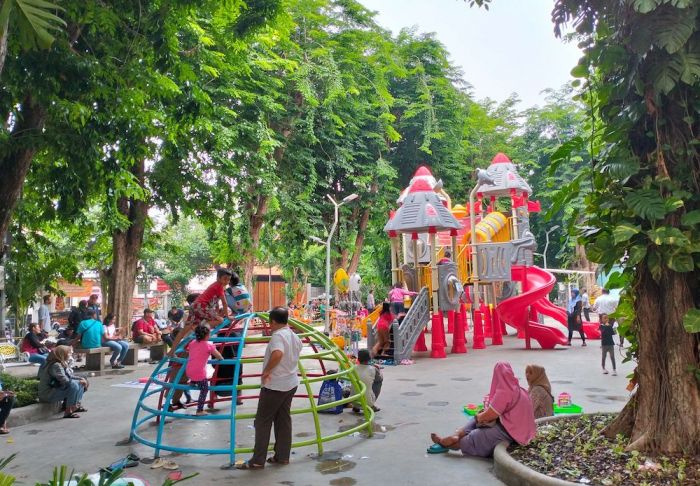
95, 357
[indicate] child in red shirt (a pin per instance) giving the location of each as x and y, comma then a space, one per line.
204, 308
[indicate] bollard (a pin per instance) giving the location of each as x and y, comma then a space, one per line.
437, 344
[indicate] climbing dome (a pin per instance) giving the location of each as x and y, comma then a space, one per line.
225, 431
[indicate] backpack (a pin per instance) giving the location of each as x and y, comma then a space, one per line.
330, 392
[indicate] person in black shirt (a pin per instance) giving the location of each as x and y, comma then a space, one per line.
607, 343
175, 315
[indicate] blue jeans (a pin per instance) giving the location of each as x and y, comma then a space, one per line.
120, 349
72, 393
37, 358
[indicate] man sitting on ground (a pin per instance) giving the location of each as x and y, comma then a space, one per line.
146, 330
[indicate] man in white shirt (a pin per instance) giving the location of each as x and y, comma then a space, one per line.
44, 314
607, 304
279, 384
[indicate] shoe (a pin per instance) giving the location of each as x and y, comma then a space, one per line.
376, 409
117, 367
605, 372
569, 343
584, 343
356, 410
614, 373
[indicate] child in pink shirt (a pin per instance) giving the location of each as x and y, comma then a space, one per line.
199, 352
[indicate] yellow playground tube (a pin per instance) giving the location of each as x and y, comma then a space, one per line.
487, 228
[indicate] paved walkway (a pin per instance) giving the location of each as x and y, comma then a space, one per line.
416, 400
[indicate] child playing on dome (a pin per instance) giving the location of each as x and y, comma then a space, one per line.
204, 308
372, 377
200, 349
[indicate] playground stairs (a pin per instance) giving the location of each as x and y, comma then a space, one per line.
406, 335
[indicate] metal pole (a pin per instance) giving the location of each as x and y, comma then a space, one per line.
269, 284
472, 224
327, 325
3, 265
546, 245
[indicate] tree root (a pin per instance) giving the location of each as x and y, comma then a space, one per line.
624, 422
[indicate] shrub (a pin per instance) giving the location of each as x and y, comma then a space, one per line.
26, 389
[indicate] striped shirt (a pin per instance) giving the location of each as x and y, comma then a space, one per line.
238, 299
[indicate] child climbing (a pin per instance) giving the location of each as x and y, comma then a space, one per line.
372, 377
383, 325
396, 296
199, 351
204, 308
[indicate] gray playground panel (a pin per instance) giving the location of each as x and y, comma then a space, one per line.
448, 277
500, 178
493, 261
420, 212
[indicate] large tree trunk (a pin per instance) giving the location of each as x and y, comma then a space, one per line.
361, 231
3, 43
15, 162
104, 274
257, 211
662, 416
126, 246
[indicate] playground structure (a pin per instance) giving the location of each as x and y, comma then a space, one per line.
490, 278
240, 343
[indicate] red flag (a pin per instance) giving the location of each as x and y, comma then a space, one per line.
534, 206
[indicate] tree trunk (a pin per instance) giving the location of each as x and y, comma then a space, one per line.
257, 211
361, 231
126, 246
104, 274
3, 44
15, 162
663, 414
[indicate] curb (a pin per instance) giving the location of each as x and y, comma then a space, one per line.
32, 413
514, 473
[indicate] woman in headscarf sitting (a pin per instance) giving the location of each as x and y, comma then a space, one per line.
540, 391
508, 417
573, 312
57, 382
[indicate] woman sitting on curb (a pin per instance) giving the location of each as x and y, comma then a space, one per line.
508, 417
57, 382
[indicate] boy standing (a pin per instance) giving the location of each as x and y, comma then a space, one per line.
607, 344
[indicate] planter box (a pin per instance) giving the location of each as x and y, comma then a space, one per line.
514, 473
32, 413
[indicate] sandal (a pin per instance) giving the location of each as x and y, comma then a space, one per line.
274, 460
165, 464
176, 406
249, 465
71, 415
80, 409
4, 431
436, 449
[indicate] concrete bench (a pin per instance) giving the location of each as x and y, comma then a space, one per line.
95, 357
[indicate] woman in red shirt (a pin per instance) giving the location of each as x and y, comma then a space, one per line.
383, 325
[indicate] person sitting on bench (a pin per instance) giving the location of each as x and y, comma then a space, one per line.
146, 330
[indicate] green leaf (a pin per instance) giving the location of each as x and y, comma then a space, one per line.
624, 232
645, 6
580, 71
646, 203
690, 219
681, 262
668, 236
36, 19
636, 254
691, 321
673, 27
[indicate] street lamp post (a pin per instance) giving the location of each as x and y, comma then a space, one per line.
336, 206
546, 245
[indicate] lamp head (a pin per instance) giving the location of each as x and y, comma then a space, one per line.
351, 197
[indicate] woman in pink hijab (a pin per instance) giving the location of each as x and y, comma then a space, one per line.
509, 417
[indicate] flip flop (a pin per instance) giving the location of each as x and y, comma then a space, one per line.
437, 449
71, 415
80, 409
249, 466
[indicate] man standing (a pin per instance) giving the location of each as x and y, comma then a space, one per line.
370, 300
607, 304
44, 314
586, 301
279, 383
145, 330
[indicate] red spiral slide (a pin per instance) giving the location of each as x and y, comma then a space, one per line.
537, 283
